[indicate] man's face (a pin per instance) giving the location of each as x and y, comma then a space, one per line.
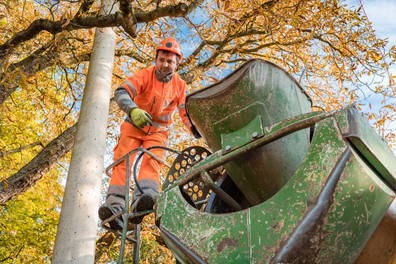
166, 62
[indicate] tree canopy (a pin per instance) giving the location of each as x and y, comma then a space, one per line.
330, 47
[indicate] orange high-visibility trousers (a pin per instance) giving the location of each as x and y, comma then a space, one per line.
131, 138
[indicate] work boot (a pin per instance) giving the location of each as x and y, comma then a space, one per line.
113, 205
144, 201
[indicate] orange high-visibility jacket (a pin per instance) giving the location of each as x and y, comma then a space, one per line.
159, 99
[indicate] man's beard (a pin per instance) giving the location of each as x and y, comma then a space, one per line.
163, 76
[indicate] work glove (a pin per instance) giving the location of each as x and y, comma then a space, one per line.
140, 118
195, 132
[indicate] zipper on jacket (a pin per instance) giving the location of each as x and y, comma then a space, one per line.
151, 109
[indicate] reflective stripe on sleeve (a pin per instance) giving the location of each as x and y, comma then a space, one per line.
158, 125
124, 100
165, 118
132, 87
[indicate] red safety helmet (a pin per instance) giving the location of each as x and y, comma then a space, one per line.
170, 44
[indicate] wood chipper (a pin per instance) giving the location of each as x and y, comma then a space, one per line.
282, 185
279, 183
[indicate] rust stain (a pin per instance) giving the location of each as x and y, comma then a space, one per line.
226, 242
278, 226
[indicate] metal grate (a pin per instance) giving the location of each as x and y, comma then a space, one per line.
196, 190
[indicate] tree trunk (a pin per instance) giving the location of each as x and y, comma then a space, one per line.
29, 174
76, 235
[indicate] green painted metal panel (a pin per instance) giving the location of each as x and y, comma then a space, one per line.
240, 137
259, 234
361, 200
308, 202
258, 88
369, 144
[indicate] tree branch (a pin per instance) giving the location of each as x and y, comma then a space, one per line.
29, 174
9, 152
34, 63
39, 61
103, 243
111, 20
129, 21
84, 7
56, 27
133, 55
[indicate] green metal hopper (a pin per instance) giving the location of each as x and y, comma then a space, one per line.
298, 186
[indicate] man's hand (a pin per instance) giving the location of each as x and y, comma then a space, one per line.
140, 118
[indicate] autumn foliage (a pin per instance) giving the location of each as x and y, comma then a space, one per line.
331, 48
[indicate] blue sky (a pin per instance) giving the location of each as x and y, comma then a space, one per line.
382, 14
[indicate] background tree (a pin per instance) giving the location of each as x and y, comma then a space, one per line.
45, 45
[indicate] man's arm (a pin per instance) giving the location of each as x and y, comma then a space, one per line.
124, 100
124, 96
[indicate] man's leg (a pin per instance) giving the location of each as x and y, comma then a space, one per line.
115, 200
149, 175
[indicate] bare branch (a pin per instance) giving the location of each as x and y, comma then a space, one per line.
318, 37
9, 152
195, 53
133, 55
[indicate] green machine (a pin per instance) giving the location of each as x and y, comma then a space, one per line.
280, 184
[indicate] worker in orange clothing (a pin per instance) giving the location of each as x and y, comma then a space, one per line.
149, 99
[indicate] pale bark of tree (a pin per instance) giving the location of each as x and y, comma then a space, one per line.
32, 172
76, 235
